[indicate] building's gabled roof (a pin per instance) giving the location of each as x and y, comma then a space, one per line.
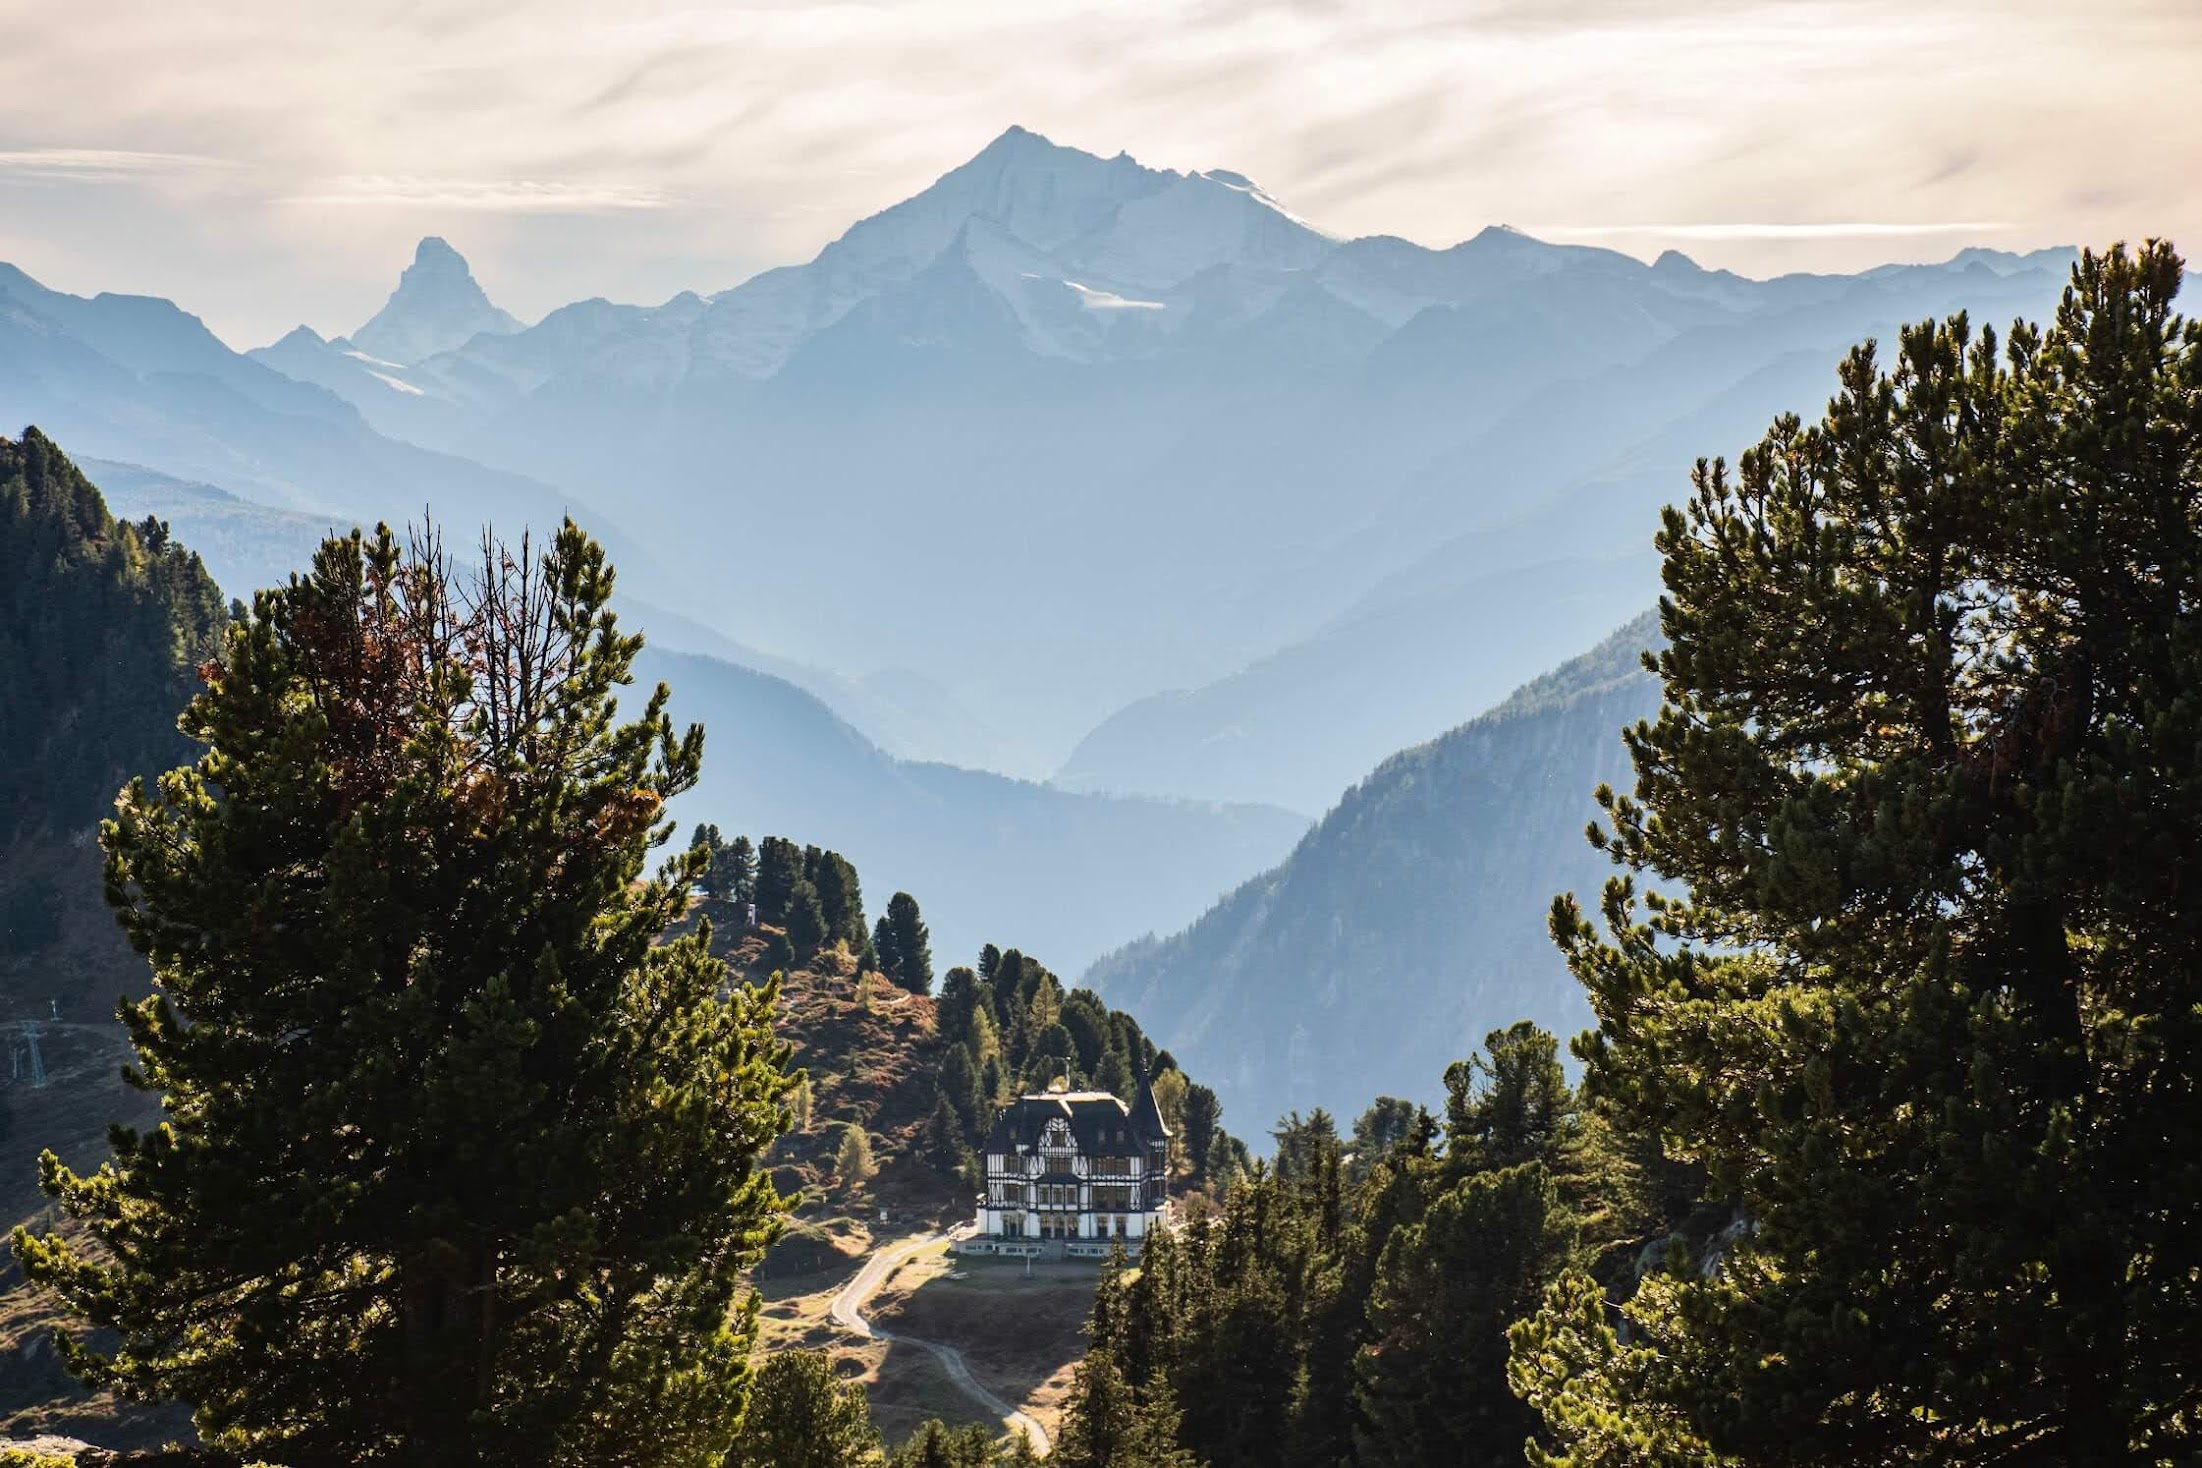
1099, 1123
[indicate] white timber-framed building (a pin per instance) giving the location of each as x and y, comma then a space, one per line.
1073, 1174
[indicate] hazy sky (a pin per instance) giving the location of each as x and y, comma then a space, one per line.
270, 161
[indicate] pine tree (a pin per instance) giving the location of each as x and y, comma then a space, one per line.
1107, 1425
802, 1416
1203, 1115
911, 945
458, 1163
741, 870
959, 1086
937, 1445
705, 842
779, 868
888, 960
958, 1005
1930, 1011
805, 921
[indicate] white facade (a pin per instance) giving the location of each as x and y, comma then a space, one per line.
1073, 1173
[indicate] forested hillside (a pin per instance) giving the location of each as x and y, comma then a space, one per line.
1412, 919
102, 628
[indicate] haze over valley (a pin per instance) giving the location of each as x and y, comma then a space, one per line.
1062, 541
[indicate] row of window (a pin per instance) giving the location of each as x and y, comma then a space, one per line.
1065, 1226
1095, 1166
1064, 1195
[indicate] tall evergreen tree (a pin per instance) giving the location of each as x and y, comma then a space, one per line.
706, 843
1930, 1011
802, 1416
739, 870
937, 1445
779, 868
458, 1163
1106, 1425
911, 945
1203, 1116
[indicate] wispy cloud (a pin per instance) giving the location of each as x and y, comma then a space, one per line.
502, 196
1832, 230
105, 164
1776, 134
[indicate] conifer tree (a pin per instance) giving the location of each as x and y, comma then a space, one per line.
802, 1416
804, 919
911, 945
1203, 1114
779, 868
937, 1445
739, 871
1924, 989
958, 1005
1105, 1425
889, 960
458, 1163
706, 843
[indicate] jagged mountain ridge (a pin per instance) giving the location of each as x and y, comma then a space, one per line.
1200, 428
1411, 921
1450, 630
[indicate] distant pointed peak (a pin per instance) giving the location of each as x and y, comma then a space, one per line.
434, 252
305, 335
1675, 262
437, 305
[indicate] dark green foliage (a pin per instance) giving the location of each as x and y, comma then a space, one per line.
705, 841
1114, 1075
104, 628
959, 1087
1320, 1320
937, 1445
1931, 1012
942, 1143
840, 897
801, 1416
906, 950
1106, 1425
779, 868
458, 1162
730, 867
1203, 1114
737, 866
1386, 1124
804, 918
958, 1005
1433, 1374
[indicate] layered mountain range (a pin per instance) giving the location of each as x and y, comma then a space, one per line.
1412, 921
1149, 458
1061, 540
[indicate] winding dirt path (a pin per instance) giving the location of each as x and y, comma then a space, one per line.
848, 1313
